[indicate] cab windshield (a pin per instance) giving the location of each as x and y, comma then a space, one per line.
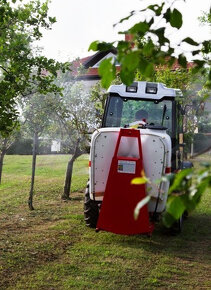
124, 112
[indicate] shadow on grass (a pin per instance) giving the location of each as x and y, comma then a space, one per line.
192, 243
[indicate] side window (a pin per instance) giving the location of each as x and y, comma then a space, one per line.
113, 117
167, 120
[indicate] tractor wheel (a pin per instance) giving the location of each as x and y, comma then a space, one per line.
177, 226
91, 210
185, 214
180, 224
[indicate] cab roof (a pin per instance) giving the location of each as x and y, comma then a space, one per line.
145, 90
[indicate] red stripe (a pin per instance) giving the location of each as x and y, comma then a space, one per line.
89, 163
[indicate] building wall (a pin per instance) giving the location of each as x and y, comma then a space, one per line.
88, 84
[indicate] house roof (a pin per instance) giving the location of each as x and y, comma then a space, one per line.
87, 68
87, 63
97, 57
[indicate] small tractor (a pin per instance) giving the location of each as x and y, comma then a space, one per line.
141, 135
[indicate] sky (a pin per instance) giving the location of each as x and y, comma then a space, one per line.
79, 22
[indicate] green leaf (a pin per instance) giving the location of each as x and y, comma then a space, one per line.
167, 15
195, 52
107, 71
129, 64
130, 61
149, 71
139, 180
127, 77
190, 41
139, 206
168, 220
148, 48
141, 28
126, 18
177, 184
204, 174
188, 202
196, 192
176, 18
160, 34
199, 63
182, 60
206, 46
169, 177
143, 65
156, 8
52, 19
93, 46
102, 46
175, 206
123, 45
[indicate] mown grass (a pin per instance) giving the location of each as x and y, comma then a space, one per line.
51, 248
49, 180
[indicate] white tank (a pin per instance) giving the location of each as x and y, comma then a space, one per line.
156, 150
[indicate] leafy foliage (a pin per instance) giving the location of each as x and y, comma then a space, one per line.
38, 112
150, 50
206, 18
185, 192
154, 49
78, 113
74, 124
195, 93
185, 195
107, 71
22, 72
98, 96
5, 143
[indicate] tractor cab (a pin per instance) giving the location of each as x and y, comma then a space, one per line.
147, 105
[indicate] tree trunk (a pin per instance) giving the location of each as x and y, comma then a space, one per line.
31, 193
69, 172
1, 164
3, 152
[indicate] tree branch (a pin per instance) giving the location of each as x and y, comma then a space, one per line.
4, 69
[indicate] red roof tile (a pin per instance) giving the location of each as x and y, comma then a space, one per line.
76, 65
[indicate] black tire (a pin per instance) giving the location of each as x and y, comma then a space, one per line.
180, 224
91, 210
177, 226
185, 214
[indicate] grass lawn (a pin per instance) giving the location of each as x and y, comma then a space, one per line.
51, 248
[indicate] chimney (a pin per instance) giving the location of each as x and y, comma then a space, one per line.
129, 38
